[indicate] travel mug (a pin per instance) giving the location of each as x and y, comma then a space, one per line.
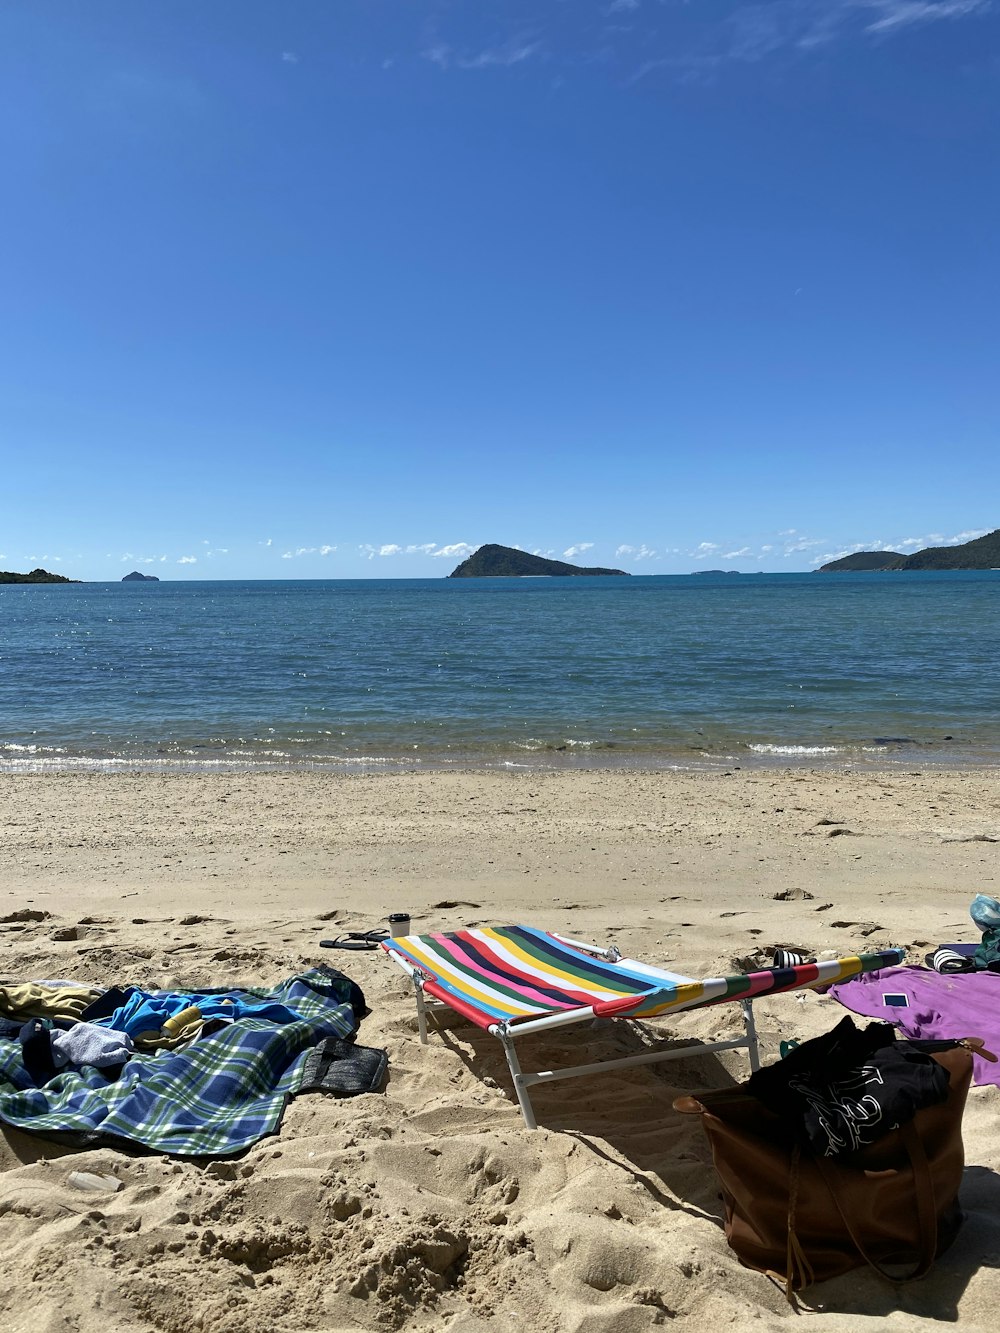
399, 924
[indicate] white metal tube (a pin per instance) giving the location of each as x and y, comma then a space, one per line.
560, 1020
520, 1080
418, 987
651, 1057
587, 948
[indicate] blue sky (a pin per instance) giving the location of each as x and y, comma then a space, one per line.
346, 288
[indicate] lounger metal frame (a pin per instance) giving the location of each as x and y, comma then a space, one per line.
506, 1032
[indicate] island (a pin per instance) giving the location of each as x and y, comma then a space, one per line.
727, 573
507, 562
36, 576
136, 577
864, 561
980, 553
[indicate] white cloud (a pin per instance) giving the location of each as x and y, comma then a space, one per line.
750, 33
188, 560
734, 555
902, 13
459, 550
129, 558
413, 548
967, 536
289, 58
438, 54
629, 552
269, 542
512, 52
578, 549
305, 550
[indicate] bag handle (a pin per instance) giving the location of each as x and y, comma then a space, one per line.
926, 1207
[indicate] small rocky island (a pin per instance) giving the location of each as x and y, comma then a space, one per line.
981, 553
136, 577
36, 576
507, 562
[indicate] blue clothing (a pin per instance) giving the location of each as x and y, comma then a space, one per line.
145, 1012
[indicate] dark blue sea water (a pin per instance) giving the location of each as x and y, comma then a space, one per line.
687, 670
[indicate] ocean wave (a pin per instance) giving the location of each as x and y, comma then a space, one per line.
796, 749
533, 744
14, 748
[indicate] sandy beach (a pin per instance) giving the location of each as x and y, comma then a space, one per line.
430, 1206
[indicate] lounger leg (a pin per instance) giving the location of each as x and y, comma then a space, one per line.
421, 1010
520, 1087
753, 1050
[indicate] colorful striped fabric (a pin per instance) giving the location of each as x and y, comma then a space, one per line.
515, 973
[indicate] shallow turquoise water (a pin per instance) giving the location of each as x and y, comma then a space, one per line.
691, 670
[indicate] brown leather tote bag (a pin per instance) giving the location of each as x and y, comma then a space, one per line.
803, 1218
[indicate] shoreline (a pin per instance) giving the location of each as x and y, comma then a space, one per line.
575, 756
606, 1217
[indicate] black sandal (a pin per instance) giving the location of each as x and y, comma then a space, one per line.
356, 940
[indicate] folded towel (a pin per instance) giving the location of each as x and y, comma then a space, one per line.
90, 1044
344, 1068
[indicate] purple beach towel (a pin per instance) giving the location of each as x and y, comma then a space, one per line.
938, 1006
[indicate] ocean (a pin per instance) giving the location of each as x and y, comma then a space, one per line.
692, 671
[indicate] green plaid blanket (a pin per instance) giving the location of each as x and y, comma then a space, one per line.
211, 1099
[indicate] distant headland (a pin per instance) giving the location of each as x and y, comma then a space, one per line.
982, 553
507, 562
136, 577
36, 576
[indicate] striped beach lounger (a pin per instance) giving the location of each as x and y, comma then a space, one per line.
514, 980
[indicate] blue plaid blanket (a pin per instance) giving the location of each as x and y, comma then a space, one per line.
211, 1099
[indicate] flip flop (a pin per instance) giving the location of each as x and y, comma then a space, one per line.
356, 940
784, 958
949, 959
